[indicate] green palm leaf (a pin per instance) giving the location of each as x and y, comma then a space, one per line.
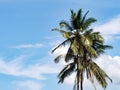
88, 22
58, 58
66, 25
66, 71
62, 44
99, 74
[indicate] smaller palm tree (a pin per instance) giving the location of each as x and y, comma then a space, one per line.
85, 45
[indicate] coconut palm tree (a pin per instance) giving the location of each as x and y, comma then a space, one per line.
85, 45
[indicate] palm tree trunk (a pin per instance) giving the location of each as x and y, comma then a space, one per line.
81, 86
81, 82
78, 87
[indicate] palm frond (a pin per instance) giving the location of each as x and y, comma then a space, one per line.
69, 55
75, 22
66, 25
66, 71
73, 14
58, 58
88, 22
79, 15
99, 74
91, 50
57, 29
67, 34
62, 44
88, 32
100, 48
107, 47
88, 73
75, 46
86, 40
83, 18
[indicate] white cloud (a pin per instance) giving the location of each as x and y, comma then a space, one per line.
16, 68
61, 50
111, 65
11, 67
28, 85
37, 45
37, 71
110, 28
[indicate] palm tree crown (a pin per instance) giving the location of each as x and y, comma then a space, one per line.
84, 46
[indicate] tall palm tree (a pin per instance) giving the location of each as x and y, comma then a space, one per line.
85, 45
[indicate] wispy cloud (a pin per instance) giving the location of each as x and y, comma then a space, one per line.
37, 45
16, 68
11, 67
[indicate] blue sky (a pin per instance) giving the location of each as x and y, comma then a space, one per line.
26, 41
